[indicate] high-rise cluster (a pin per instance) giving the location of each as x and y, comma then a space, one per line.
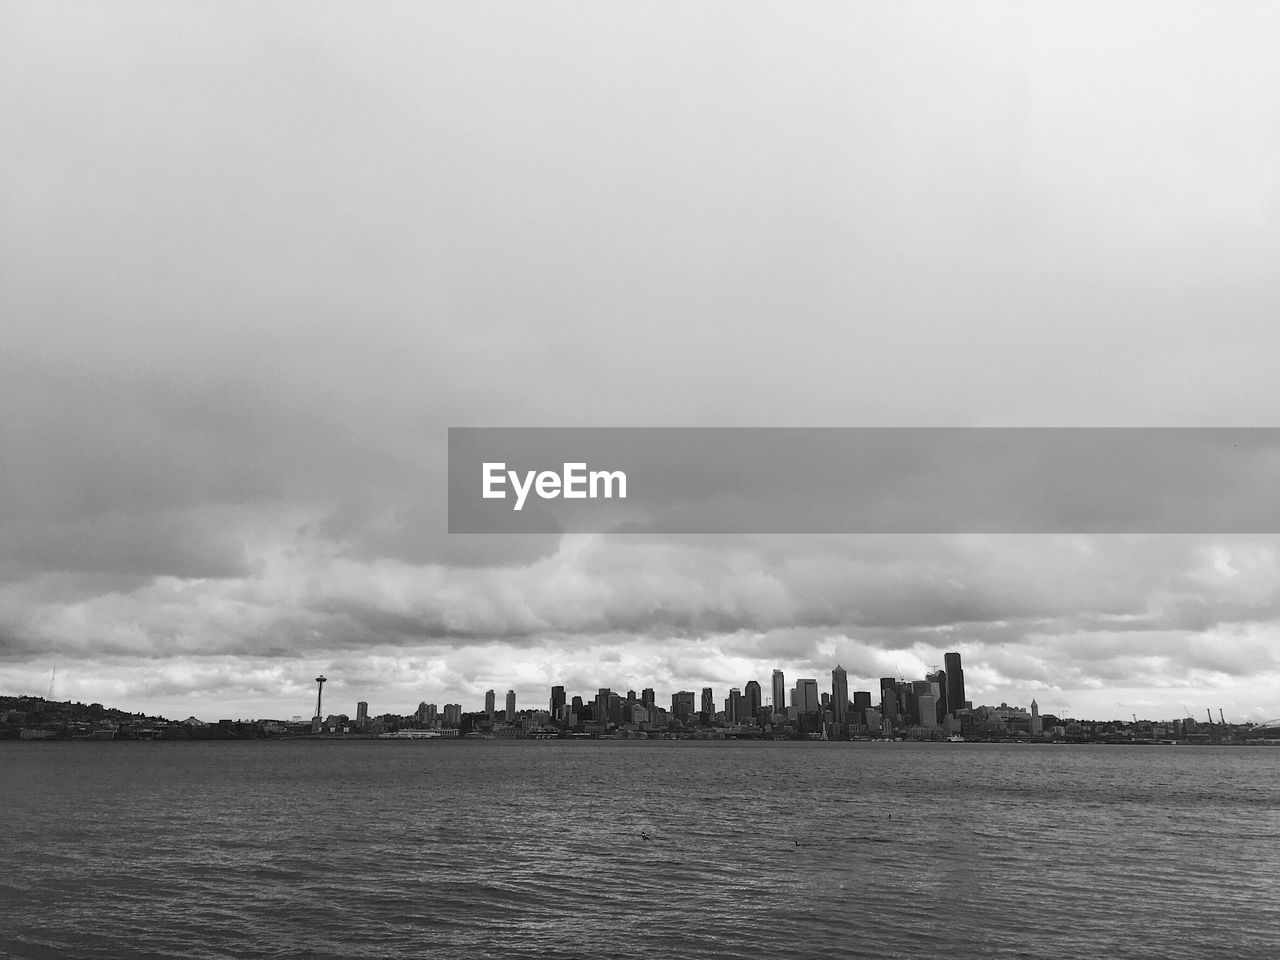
932, 706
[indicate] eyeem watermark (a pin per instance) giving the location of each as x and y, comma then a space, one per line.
820, 480
574, 482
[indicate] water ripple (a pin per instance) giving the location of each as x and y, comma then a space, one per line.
631, 850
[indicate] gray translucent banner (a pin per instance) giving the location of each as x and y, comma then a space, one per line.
864, 480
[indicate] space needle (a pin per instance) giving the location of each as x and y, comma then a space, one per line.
316, 720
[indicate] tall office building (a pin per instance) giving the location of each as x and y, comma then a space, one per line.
648, 699
939, 679
733, 706
927, 708
955, 682
938, 690
362, 713
806, 697
916, 691
889, 698
682, 704
601, 711
751, 700
557, 702
708, 703
511, 705
779, 692
839, 695
490, 703
861, 704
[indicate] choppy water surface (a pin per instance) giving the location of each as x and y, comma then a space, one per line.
635, 849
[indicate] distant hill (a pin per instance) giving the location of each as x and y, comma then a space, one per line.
40, 710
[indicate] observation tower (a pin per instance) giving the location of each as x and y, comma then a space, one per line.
319, 717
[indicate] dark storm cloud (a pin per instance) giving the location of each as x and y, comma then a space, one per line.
139, 545
993, 591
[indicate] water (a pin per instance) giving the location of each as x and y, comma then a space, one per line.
619, 849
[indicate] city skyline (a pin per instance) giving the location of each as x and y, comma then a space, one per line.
1114, 703
954, 690
840, 704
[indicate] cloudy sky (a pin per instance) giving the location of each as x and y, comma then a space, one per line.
255, 259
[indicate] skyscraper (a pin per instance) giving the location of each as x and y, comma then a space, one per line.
955, 682
733, 706
600, 713
861, 704
490, 699
939, 679
927, 709
839, 695
557, 702
779, 692
889, 698
708, 703
511, 705
362, 713
751, 700
682, 704
806, 697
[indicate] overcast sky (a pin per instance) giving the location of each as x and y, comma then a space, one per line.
255, 259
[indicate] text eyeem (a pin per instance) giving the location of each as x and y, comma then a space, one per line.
575, 482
